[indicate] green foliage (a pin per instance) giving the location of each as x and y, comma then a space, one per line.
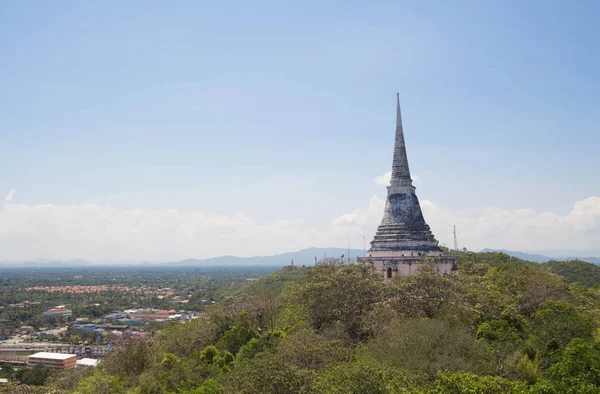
239, 334
100, 383
427, 346
130, 358
498, 325
576, 271
209, 354
35, 376
209, 386
469, 383
578, 370
426, 293
259, 345
184, 339
555, 324
340, 295
362, 374
68, 379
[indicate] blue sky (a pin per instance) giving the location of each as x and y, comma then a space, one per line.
285, 114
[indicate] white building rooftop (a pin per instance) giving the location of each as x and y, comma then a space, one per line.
52, 356
87, 362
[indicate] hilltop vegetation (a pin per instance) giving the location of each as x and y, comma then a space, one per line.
576, 271
498, 325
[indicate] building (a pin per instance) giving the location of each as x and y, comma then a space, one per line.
87, 362
403, 240
59, 311
52, 360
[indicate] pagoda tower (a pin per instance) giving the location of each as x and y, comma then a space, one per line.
403, 239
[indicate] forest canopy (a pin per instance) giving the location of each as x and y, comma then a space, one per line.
497, 325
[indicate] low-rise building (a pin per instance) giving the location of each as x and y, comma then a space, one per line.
52, 360
87, 362
58, 312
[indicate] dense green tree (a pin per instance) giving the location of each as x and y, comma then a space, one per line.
100, 383
578, 370
429, 346
268, 373
470, 383
426, 293
258, 345
130, 358
576, 271
361, 374
241, 331
343, 295
555, 324
504, 337
35, 376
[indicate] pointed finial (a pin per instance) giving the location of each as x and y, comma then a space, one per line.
400, 170
398, 114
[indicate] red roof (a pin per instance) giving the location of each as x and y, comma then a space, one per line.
58, 310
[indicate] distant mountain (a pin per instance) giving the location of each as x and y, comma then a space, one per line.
301, 257
46, 263
538, 258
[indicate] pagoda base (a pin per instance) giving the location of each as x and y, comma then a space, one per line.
392, 266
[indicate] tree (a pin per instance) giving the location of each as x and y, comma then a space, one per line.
470, 383
269, 304
503, 337
426, 293
578, 369
555, 324
258, 345
130, 357
267, 373
428, 346
100, 383
35, 376
340, 295
241, 331
362, 374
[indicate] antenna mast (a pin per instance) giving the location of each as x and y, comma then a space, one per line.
455, 240
348, 248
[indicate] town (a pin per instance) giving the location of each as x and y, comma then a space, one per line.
45, 314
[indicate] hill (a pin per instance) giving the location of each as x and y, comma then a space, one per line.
576, 271
343, 329
538, 258
43, 263
301, 257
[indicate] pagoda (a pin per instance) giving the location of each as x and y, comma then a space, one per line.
403, 240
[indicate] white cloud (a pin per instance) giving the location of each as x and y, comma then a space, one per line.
383, 179
360, 217
104, 233
10, 195
493, 227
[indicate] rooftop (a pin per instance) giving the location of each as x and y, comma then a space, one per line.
58, 310
52, 356
87, 362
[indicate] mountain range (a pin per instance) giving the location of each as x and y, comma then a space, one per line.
538, 258
301, 257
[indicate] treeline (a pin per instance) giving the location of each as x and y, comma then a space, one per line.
494, 326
